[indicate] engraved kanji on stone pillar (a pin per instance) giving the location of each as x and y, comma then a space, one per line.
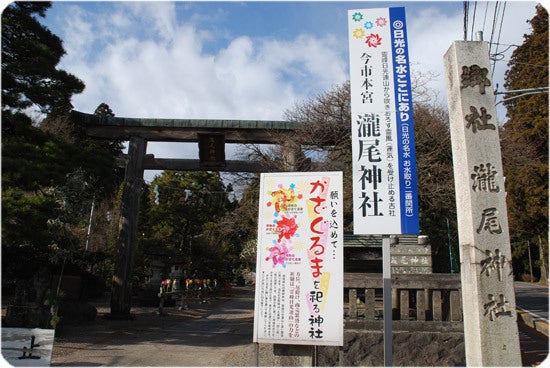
490, 327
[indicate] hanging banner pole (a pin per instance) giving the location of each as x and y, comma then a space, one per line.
386, 278
385, 194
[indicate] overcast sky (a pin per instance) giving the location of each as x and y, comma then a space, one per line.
245, 60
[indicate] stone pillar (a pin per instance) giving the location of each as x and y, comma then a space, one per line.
293, 157
131, 192
490, 325
285, 355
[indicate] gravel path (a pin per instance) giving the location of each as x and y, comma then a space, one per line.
217, 333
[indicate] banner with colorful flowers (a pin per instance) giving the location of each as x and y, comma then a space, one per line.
299, 267
385, 195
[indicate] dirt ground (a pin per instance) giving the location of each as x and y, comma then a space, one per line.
215, 333
219, 333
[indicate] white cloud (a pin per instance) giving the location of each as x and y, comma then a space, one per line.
138, 58
430, 35
151, 77
78, 35
164, 72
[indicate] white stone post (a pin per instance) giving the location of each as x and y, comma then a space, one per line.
490, 326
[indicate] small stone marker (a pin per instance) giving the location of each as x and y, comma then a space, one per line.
27, 347
490, 326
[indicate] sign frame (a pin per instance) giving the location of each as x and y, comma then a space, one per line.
385, 194
299, 268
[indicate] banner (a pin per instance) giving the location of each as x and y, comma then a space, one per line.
299, 267
385, 195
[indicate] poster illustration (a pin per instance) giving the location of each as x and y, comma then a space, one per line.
299, 267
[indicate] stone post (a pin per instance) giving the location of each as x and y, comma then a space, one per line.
285, 355
490, 324
131, 192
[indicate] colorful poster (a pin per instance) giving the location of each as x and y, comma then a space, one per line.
299, 267
385, 195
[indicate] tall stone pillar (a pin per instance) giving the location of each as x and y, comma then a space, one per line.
294, 159
122, 281
490, 325
285, 355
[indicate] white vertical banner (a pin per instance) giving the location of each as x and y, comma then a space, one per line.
385, 195
299, 267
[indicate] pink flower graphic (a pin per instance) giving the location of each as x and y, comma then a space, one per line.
373, 40
278, 254
381, 22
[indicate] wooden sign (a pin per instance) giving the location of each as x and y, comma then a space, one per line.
212, 150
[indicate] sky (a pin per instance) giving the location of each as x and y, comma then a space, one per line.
248, 60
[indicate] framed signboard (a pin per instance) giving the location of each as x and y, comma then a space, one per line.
299, 267
385, 195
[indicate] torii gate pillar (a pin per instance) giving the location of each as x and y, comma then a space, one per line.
122, 281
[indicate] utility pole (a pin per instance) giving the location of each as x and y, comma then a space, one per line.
530, 260
543, 276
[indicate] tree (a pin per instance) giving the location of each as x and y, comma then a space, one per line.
524, 140
325, 121
48, 180
30, 54
181, 216
436, 193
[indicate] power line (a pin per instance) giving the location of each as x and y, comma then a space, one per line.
485, 16
499, 34
524, 92
465, 5
473, 20
495, 16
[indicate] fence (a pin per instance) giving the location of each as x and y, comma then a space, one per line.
420, 302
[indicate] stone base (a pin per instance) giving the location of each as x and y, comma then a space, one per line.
423, 349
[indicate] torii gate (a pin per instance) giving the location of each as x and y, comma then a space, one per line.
211, 136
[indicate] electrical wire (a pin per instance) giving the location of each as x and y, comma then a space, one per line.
465, 10
485, 16
495, 16
473, 21
496, 54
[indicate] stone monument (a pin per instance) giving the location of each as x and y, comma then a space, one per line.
490, 326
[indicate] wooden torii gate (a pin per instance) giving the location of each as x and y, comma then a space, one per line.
211, 136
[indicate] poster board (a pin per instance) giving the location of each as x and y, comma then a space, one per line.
299, 267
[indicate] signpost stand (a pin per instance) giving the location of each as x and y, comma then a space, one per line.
386, 275
385, 195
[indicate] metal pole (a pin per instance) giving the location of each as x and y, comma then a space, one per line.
450, 246
89, 236
386, 275
530, 261
543, 275
256, 354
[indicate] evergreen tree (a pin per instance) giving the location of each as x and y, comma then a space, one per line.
181, 217
525, 140
48, 179
30, 54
